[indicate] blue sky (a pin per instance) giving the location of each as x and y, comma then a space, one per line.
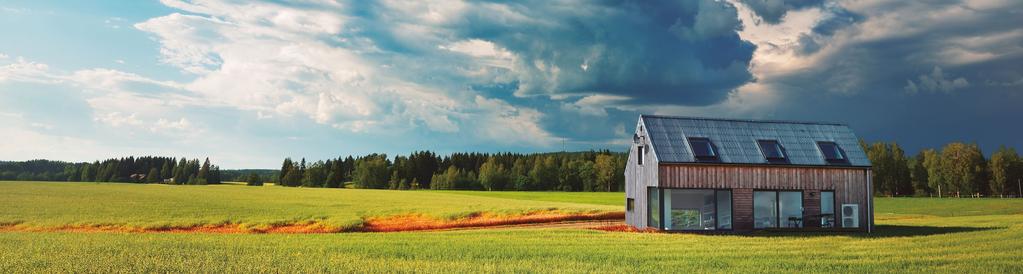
248, 83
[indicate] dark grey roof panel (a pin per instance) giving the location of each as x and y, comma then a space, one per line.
736, 139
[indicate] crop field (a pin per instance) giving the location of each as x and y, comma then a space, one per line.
914, 234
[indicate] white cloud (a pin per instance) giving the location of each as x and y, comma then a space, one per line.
934, 82
478, 48
511, 125
114, 22
119, 81
15, 10
118, 119
292, 65
26, 71
164, 124
594, 105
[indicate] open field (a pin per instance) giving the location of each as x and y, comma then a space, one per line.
915, 235
57, 204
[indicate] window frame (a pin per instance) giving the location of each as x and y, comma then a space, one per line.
715, 158
773, 160
731, 205
841, 152
834, 207
639, 155
777, 208
650, 207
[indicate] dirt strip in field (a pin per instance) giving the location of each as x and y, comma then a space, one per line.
535, 220
419, 222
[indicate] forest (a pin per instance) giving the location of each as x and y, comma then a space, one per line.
561, 171
957, 169
147, 169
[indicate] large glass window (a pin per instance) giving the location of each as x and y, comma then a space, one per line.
777, 209
690, 209
653, 207
724, 208
827, 209
765, 209
790, 206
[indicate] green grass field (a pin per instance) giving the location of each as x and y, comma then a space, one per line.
54, 204
914, 235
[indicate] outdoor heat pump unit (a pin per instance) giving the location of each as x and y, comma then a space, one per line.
850, 215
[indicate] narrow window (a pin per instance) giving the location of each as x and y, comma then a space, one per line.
639, 155
629, 204
827, 209
833, 154
773, 151
653, 207
703, 150
724, 209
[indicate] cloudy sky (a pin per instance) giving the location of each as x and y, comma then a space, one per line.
248, 83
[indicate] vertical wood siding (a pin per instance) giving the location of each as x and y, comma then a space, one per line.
850, 186
637, 179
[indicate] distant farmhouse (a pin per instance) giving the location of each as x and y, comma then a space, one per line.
699, 174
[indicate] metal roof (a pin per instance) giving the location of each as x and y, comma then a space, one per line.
736, 140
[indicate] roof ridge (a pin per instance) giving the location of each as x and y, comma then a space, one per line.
742, 120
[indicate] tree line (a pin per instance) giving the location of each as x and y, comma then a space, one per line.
561, 171
957, 169
146, 169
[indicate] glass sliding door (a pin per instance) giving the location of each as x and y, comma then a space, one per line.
653, 199
790, 207
724, 209
777, 209
827, 209
765, 209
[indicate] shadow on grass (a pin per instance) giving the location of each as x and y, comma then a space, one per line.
880, 231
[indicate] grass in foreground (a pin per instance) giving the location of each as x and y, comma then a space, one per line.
933, 244
984, 236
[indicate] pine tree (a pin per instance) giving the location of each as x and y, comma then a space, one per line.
153, 176
180, 176
204, 172
166, 171
285, 168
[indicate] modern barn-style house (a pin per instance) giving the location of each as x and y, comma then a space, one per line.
700, 174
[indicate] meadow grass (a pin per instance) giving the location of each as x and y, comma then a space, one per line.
56, 204
985, 238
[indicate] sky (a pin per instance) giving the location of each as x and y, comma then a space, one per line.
249, 83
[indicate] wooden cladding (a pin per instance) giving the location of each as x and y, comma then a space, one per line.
850, 186
742, 209
760, 177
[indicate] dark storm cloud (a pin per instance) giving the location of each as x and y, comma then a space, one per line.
920, 73
670, 52
666, 52
773, 10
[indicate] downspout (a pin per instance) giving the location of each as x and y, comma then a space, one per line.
870, 201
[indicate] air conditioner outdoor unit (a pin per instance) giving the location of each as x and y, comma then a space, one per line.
850, 215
